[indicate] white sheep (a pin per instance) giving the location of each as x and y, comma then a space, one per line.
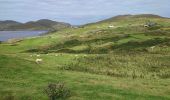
76, 55
111, 26
152, 47
38, 55
146, 25
38, 61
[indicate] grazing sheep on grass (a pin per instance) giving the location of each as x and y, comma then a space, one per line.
38, 61
152, 47
76, 55
146, 25
38, 55
111, 26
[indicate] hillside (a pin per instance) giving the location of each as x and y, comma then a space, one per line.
43, 24
127, 34
121, 17
7, 23
122, 59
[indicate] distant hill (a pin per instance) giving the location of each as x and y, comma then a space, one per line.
43, 24
120, 17
147, 15
7, 23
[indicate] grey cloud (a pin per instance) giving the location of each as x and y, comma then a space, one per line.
78, 11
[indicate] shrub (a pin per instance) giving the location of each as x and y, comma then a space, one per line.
56, 91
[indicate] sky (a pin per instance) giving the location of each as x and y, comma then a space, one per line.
78, 12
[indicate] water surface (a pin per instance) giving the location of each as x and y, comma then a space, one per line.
5, 35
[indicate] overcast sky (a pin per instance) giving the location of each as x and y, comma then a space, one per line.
79, 11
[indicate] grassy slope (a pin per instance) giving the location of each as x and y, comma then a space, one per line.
26, 80
91, 76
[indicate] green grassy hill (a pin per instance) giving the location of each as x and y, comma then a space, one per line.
7, 23
43, 24
115, 59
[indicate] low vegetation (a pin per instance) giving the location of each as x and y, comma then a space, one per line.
57, 91
133, 65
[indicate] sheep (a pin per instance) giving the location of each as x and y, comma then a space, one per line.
150, 24
38, 61
76, 55
152, 47
146, 25
85, 55
111, 26
38, 55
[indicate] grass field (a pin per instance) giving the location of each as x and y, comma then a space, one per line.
126, 62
